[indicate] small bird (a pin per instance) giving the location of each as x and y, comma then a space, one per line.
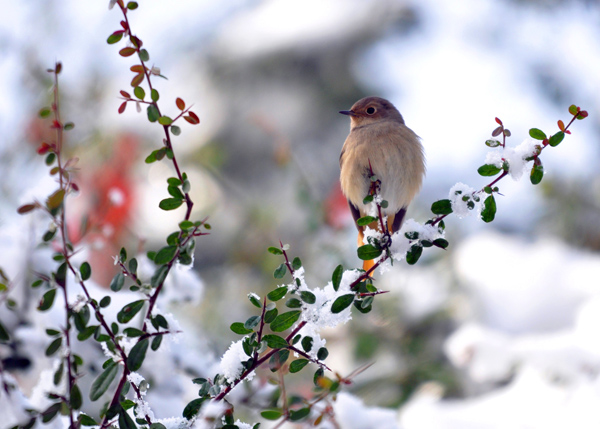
380, 142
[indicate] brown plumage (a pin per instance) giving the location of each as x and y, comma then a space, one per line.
378, 135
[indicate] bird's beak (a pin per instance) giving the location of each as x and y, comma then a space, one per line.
347, 112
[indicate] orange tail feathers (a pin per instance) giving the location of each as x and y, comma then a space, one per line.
367, 265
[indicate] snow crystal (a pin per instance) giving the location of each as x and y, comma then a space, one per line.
242, 425
515, 157
231, 362
401, 244
135, 378
80, 302
319, 314
352, 413
457, 195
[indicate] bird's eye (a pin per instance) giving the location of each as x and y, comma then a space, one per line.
370, 110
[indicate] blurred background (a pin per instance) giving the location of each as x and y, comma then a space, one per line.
498, 331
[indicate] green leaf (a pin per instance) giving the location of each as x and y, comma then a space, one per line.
342, 302
275, 250
86, 271
537, 172
280, 271
308, 297
489, 209
133, 265
133, 332
153, 114
137, 355
492, 143
368, 252
112, 39
272, 414
413, 254
125, 422
277, 294
117, 282
318, 374
442, 207
366, 220
51, 412
238, 328
488, 170
75, 399
102, 382
4, 337
130, 310
132, 5
336, 278
175, 130
537, 134
441, 243
165, 120
44, 112
307, 343
293, 303
192, 408
297, 365
170, 203
105, 302
165, 255
254, 300
156, 342
297, 415
278, 359
154, 95
86, 420
159, 276
275, 341
68, 126
252, 322
270, 315
47, 300
322, 353
139, 92
556, 139
285, 320
87, 332
54, 346
144, 55
296, 263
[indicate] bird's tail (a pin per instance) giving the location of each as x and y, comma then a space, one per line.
392, 224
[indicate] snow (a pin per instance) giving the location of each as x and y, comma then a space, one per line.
231, 362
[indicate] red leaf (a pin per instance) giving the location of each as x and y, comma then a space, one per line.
125, 94
139, 78
26, 208
180, 103
136, 42
44, 148
124, 25
192, 118
561, 125
127, 52
498, 121
137, 68
122, 107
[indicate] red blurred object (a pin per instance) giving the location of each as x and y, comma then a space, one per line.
337, 213
109, 194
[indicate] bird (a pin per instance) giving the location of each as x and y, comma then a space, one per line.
380, 144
